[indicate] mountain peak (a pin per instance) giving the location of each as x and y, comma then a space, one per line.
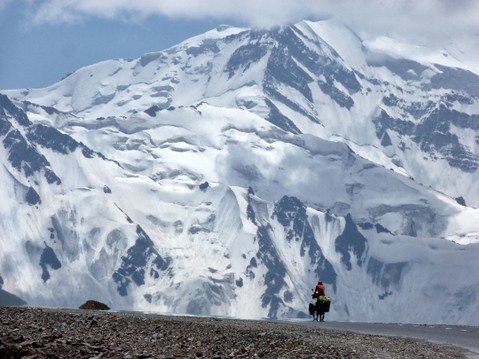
238, 167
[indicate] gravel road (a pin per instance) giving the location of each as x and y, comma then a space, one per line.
63, 333
459, 335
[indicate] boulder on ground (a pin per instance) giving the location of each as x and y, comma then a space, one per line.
94, 305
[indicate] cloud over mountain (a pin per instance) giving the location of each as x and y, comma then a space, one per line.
428, 18
443, 23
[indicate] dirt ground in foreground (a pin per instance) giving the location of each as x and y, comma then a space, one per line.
62, 333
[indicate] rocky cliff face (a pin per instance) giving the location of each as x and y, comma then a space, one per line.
227, 174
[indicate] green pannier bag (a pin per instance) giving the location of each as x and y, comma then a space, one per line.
325, 303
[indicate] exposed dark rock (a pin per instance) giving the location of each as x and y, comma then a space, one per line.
406, 69
24, 157
150, 57
7, 107
381, 229
207, 45
385, 294
50, 259
276, 271
351, 240
106, 189
455, 79
462, 99
32, 197
244, 56
280, 120
204, 186
94, 305
460, 200
134, 265
250, 268
152, 110
198, 229
292, 46
434, 135
288, 296
383, 122
128, 218
366, 225
272, 91
292, 63
282, 68
386, 140
48, 109
89, 153
390, 100
23, 153
342, 99
249, 208
51, 138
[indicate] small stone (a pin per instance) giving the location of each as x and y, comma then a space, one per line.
19, 339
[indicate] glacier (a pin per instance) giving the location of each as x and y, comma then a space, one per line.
227, 174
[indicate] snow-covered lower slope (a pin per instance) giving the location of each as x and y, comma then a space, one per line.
226, 175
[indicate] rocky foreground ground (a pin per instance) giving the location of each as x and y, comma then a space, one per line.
49, 333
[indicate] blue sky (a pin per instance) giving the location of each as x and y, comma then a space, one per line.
37, 56
43, 40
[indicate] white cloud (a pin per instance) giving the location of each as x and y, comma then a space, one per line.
423, 21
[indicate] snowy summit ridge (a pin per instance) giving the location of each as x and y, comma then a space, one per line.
225, 175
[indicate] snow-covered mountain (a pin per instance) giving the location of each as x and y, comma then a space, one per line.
229, 173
